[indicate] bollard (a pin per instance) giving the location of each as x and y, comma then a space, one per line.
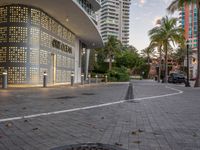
82, 79
89, 78
96, 78
4, 80
106, 79
72, 79
45, 80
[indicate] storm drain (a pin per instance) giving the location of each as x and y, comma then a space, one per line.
95, 146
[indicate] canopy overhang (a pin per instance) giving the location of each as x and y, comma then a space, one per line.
71, 15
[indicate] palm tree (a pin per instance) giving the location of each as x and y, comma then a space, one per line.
148, 53
179, 56
176, 5
168, 32
112, 47
157, 43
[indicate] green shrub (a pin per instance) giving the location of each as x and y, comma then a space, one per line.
118, 74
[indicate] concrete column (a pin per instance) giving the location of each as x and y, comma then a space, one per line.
87, 55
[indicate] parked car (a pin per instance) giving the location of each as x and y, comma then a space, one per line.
176, 78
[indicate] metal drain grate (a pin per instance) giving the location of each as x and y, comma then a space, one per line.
92, 146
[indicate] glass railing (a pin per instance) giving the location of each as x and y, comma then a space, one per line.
87, 7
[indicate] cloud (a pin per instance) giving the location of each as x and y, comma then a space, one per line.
137, 18
142, 2
167, 2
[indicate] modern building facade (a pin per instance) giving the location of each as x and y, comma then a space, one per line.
188, 20
46, 36
113, 19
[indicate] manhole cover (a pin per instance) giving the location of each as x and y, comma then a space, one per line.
91, 146
66, 97
88, 94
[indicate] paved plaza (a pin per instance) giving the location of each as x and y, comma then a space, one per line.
161, 117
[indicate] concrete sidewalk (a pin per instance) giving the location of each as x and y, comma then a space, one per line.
164, 123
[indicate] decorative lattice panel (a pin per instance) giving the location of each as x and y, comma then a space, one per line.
34, 74
44, 21
34, 56
58, 75
35, 17
17, 54
45, 40
64, 76
54, 27
16, 74
3, 34
3, 14
18, 14
65, 34
43, 57
27, 44
3, 53
1, 70
59, 61
34, 36
18, 34
42, 70
64, 62
68, 76
60, 29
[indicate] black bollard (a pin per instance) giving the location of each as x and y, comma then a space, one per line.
72, 79
106, 78
96, 78
4, 80
82, 79
45, 80
89, 78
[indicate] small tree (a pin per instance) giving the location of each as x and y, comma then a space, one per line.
112, 47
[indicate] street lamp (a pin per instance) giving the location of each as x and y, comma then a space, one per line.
187, 83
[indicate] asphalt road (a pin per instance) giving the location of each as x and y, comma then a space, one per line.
160, 117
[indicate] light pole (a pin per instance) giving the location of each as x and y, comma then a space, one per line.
187, 83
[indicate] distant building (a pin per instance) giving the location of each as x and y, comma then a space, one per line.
188, 20
113, 19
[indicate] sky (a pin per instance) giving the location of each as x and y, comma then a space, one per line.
143, 15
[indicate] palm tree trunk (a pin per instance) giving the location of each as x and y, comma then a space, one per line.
197, 83
148, 61
166, 64
110, 63
160, 59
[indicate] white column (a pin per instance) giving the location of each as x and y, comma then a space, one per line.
87, 54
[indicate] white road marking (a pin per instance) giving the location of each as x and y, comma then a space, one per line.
91, 107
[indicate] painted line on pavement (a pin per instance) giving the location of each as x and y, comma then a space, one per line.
91, 107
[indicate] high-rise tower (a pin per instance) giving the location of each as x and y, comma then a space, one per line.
188, 20
114, 20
